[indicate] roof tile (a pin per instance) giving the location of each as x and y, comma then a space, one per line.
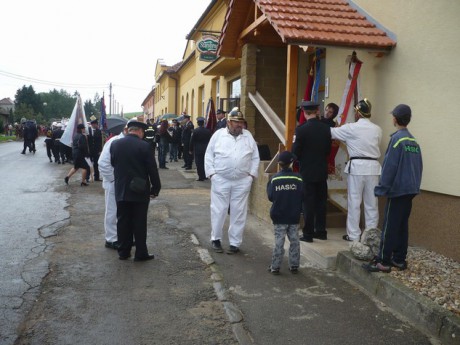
327, 22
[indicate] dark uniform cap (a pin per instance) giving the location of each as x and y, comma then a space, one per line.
309, 105
401, 110
94, 121
364, 107
200, 119
220, 111
81, 126
136, 123
286, 157
186, 115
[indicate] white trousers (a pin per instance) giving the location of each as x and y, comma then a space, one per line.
110, 217
361, 189
233, 193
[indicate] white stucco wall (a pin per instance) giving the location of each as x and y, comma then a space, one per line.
423, 71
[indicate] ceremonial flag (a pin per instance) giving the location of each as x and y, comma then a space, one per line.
211, 119
103, 115
78, 116
351, 89
313, 81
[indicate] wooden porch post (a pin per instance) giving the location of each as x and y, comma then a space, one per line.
291, 93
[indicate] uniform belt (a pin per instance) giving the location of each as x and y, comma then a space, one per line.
364, 158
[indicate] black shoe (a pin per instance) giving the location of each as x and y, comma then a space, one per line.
233, 250
188, 168
98, 179
66, 180
217, 246
124, 257
112, 245
23, 153
200, 179
146, 258
184, 166
399, 266
306, 238
294, 269
374, 266
320, 235
51, 161
84, 184
347, 238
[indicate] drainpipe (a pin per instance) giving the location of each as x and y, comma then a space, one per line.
175, 96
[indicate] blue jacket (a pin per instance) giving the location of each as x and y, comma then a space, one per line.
402, 166
284, 190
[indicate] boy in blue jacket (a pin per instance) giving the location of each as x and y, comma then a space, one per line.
284, 190
400, 183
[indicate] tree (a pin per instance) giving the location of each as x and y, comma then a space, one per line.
27, 96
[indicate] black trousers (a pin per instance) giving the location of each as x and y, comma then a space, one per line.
188, 158
314, 207
395, 231
199, 162
132, 221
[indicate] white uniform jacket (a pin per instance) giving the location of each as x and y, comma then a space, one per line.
232, 157
363, 140
105, 166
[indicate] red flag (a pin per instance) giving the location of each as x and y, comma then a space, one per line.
211, 119
350, 91
308, 89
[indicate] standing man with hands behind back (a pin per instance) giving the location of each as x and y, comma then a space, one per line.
136, 181
311, 146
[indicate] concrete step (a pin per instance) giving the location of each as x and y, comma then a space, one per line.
324, 253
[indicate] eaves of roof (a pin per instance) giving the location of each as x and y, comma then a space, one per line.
300, 22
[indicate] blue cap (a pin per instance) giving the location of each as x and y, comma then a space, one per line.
285, 157
200, 119
309, 105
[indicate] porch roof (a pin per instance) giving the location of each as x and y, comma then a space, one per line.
300, 22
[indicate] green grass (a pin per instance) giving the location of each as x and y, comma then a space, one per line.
4, 138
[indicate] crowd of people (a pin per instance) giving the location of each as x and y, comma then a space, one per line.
229, 158
398, 180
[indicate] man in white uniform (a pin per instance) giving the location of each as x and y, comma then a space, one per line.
108, 183
231, 162
363, 168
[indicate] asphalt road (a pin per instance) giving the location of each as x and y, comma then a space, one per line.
82, 294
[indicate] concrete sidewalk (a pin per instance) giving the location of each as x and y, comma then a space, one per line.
334, 254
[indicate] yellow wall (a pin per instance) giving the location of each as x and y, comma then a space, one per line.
423, 72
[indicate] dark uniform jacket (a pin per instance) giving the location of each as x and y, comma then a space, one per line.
132, 160
284, 190
187, 134
221, 124
402, 167
95, 141
312, 146
200, 140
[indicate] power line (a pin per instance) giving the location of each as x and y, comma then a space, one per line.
47, 82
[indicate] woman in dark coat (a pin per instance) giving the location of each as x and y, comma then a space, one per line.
163, 147
80, 151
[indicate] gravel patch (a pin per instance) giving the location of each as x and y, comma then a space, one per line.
434, 276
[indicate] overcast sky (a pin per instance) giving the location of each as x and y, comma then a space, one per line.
85, 45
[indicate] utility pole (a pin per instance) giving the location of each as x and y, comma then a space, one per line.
110, 100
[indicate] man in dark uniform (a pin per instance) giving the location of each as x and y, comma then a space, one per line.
136, 181
58, 152
198, 144
186, 136
95, 147
312, 146
221, 120
150, 133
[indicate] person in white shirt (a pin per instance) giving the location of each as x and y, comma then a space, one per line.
231, 162
363, 168
108, 183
